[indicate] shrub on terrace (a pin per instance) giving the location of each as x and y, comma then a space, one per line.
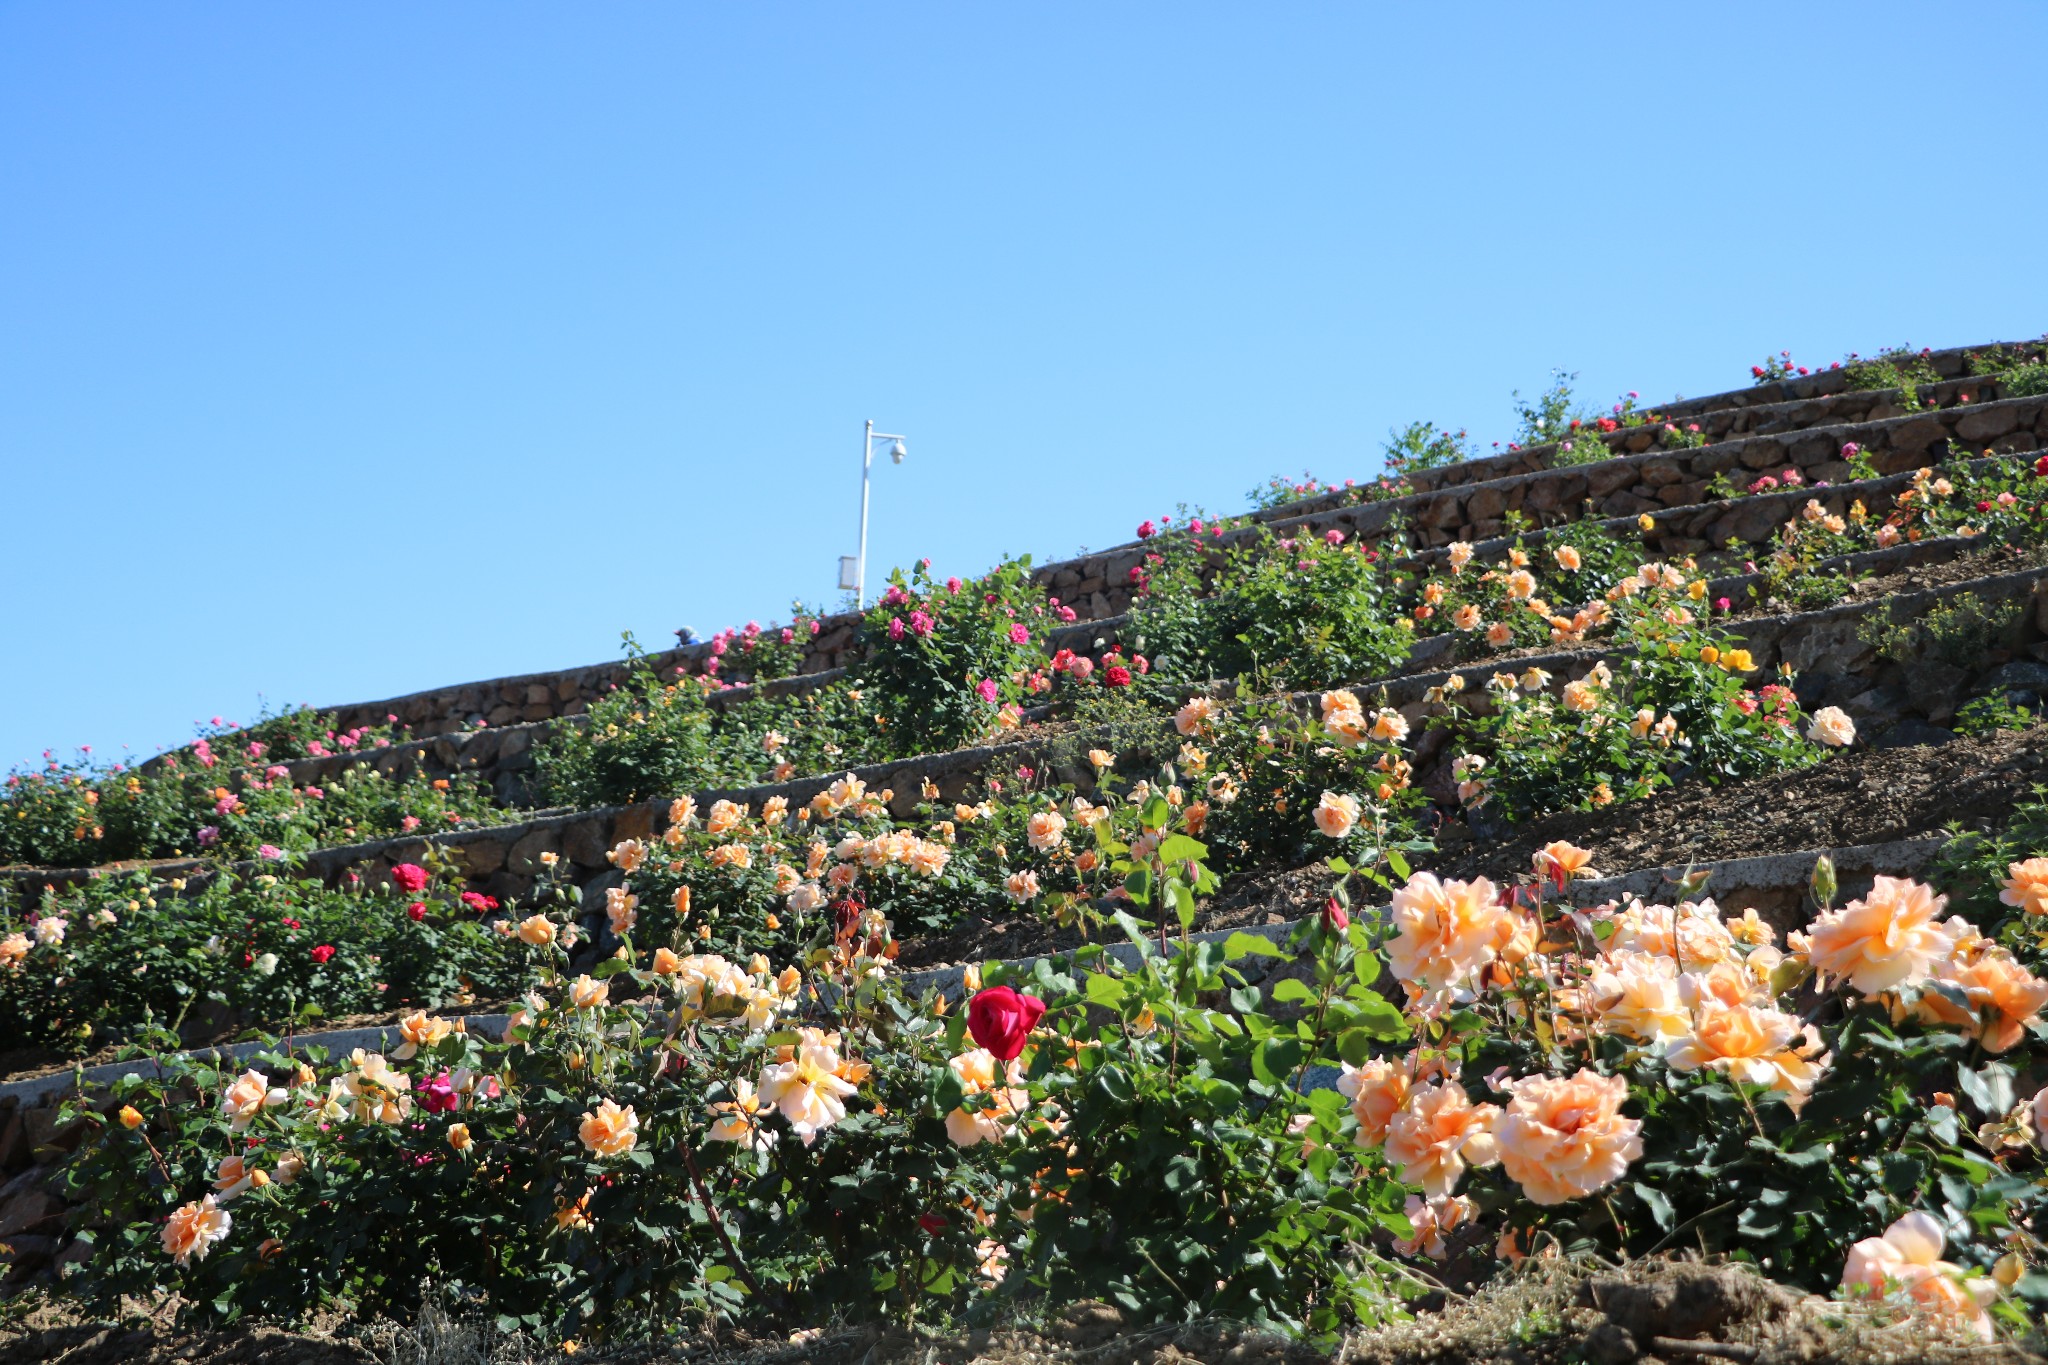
80, 815
89, 965
659, 1142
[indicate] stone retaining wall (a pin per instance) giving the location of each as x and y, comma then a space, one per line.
1836, 667
504, 756
1472, 508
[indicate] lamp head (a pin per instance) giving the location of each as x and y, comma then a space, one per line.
898, 451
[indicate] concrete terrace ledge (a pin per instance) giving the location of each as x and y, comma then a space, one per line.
501, 859
1736, 883
1096, 584
43, 1090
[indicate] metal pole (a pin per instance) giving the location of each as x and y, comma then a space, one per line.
860, 571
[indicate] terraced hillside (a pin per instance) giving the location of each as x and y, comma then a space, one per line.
1785, 648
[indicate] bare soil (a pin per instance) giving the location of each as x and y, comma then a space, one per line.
1545, 1313
1864, 796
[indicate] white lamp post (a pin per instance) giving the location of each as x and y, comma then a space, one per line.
853, 569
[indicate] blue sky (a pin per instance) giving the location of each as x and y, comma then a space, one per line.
352, 351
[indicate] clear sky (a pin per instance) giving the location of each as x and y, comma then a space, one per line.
347, 351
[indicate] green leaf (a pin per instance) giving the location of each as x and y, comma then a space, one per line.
1241, 945
1989, 1089
1274, 1061
1654, 1200
1139, 884
1294, 989
1103, 989
1397, 864
1372, 1011
1179, 848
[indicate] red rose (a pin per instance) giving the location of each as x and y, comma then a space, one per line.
1335, 916
409, 876
417, 911
1118, 676
999, 1018
481, 904
323, 952
931, 1223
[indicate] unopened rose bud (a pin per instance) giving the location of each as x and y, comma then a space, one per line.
1824, 883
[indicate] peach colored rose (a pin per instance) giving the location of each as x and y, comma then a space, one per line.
1433, 1220
1521, 585
1561, 862
2004, 997
1389, 725
724, 815
742, 1119
234, 1177
1377, 1091
621, 910
458, 1136
193, 1229
419, 1030
1832, 727
1347, 726
1467, 617
1563, 1138
1635, 994
628, 856
979, 1073
1193, 718
2026, 886
1337, 816
1021, 886
1755, 1045
13, 949
1437, 1134
588, 994
1446, 933
808, 1088
1886, 939
249, 1095
1581, 696
1046, 830
1567, 558
1460, 555
609, 1130
1908, 1256
537, 930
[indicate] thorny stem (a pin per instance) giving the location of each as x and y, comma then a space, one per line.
717, 1223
